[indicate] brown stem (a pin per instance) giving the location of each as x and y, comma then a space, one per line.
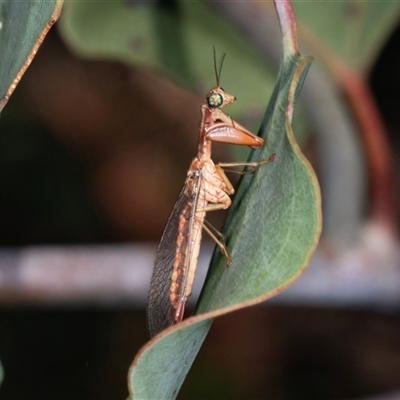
377, 149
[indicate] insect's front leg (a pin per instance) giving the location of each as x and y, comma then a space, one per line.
254, 165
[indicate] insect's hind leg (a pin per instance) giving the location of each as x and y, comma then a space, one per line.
220, 242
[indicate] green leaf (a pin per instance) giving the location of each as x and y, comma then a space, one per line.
355, 31
23, 26
161, 366
272, 230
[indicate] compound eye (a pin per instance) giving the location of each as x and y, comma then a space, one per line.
215, 100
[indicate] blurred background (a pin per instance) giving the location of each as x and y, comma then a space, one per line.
95, 143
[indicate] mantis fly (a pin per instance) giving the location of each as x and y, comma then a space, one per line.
206, 188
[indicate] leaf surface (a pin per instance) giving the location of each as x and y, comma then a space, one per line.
23, 26
354, 31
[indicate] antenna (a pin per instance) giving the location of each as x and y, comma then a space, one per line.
218, 71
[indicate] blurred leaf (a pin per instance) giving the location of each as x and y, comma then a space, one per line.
177, 40
272, 230
23, 26
355, 31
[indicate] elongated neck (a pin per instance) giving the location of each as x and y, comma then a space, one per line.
204, 147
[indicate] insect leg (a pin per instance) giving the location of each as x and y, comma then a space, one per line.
225, 179
217, 236
219, 243
216, 232
254, 165
213, 207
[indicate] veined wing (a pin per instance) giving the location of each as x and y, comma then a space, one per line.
167, 296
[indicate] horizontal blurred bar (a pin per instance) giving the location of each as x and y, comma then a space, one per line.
116, 275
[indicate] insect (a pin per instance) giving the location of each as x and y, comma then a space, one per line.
206, 188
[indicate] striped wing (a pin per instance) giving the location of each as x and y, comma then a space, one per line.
173, 253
